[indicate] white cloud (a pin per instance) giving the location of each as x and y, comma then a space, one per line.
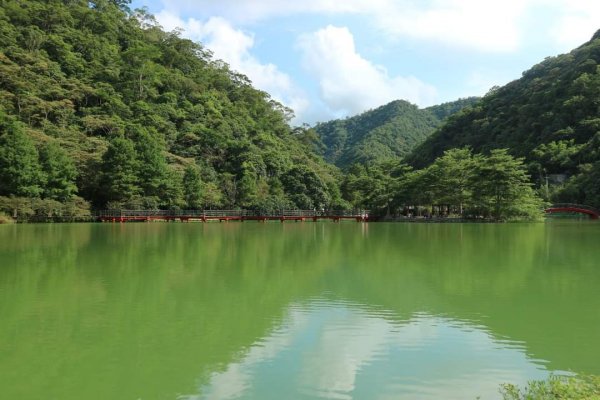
248, 11
234, 47
348, 82
579, 21
488, 26
484, 25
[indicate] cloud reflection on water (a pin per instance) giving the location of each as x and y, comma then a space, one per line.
340, 350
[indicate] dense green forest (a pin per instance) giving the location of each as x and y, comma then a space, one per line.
458, 183
98, 104
101, 108
550, 116
387, 132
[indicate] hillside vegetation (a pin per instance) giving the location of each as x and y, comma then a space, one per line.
550, 116
387, 132
100, 107
98, 102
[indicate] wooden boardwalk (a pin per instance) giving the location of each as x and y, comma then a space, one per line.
229, 215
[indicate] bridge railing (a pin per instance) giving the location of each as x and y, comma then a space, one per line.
230, 213
573, 205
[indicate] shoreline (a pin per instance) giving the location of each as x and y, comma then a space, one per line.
418, 220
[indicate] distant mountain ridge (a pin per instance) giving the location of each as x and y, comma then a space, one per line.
389, 131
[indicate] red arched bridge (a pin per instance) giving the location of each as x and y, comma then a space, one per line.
230, 215
573, 208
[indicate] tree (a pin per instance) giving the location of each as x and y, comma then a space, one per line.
172, 191
192, 187
583, 188
60, 173
151, 162
118, 181
20, 171
305, 188
452, 174
84, 72
502, 189
211, 195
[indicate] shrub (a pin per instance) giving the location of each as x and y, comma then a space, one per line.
555, 388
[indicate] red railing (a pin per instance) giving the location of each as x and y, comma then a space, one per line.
230, 215
574, 208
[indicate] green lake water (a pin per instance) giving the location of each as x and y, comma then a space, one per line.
294, 310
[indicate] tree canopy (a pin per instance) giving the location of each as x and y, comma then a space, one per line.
458, 183
131, 107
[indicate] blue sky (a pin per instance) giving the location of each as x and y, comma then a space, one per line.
331, 58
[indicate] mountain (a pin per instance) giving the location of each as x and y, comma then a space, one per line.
389, 131
445, 110
550, 115
131, 110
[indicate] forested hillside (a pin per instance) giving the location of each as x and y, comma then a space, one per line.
445, 110
387, 132
98, 102
550, 116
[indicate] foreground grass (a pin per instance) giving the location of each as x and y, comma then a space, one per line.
555, 388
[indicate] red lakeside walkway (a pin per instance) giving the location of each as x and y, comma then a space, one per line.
228, 215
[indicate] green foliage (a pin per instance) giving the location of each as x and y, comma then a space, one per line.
118, 182
555, 388
495, 186
557, 156
502, 188
445, 110
151, 168
309, 191
453, 178
375, 186
390, 131
96, 77
20, 171
192, 187
211, 195
25, 209
584, 187
5, 219
549, 116
60, 172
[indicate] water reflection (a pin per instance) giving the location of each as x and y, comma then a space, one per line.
157, 311
340, 350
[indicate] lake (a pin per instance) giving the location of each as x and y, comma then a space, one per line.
294, 310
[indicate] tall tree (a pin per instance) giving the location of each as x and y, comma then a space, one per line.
452, 174
502, 188
20, 171
152, 169
119, 182
60, 173
192, 187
